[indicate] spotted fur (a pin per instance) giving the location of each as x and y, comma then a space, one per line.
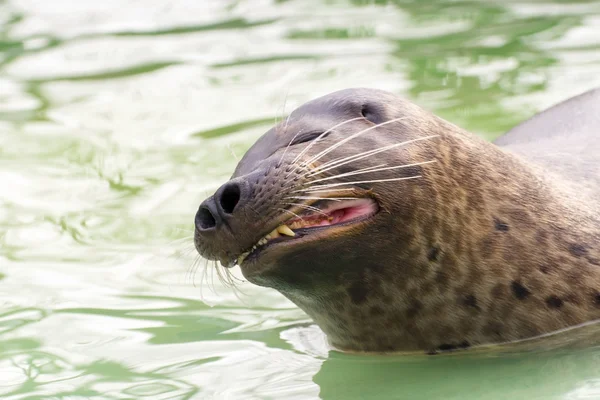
488, 246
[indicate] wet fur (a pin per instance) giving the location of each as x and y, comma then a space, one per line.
494, 243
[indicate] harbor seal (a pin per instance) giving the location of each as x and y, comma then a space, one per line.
395, 230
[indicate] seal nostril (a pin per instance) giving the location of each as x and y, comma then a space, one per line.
205, 219
230, 197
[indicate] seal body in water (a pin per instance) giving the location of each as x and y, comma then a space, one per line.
398, 231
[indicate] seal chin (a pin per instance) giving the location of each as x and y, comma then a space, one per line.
322, 217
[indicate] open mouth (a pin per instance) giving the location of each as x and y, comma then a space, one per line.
321, 215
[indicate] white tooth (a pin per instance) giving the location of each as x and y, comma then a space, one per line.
274, 235
241, 258
285, 230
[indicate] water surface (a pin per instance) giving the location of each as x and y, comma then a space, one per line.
117, 117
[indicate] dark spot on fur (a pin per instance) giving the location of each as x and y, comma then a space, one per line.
597, 299
520, 291
374, 281
441, 277
593, 261
554, 302
358, 293
414, 309
433, 254
376, 311
500, 225
385, 298
544, 269
471, 301
577, 250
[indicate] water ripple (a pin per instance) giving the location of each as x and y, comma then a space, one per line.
118, 117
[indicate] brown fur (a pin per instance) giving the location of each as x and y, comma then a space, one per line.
483, 248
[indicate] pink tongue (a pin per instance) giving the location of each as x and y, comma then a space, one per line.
355, 209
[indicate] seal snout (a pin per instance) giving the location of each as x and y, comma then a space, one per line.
220, 220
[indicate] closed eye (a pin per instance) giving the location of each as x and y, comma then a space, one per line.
308, 136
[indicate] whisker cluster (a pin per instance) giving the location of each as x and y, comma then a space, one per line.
312, 184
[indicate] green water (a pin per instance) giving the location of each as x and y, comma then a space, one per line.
117, 117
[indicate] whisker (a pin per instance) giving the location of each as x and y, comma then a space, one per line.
321, 198
309, 190
289, 212
212, 277
228, 279
288, 146
181, 254
307, 207
334, 164
299, 156
235, 157
287, 93
202, 279
185, 240
360, 171
371, 181
287, 120
346, 140
220, 276
195, 270
183, 230
190, 268
231, 284
370, 171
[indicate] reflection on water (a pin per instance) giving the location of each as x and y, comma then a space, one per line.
118, 117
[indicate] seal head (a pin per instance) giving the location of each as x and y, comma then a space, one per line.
396, 230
